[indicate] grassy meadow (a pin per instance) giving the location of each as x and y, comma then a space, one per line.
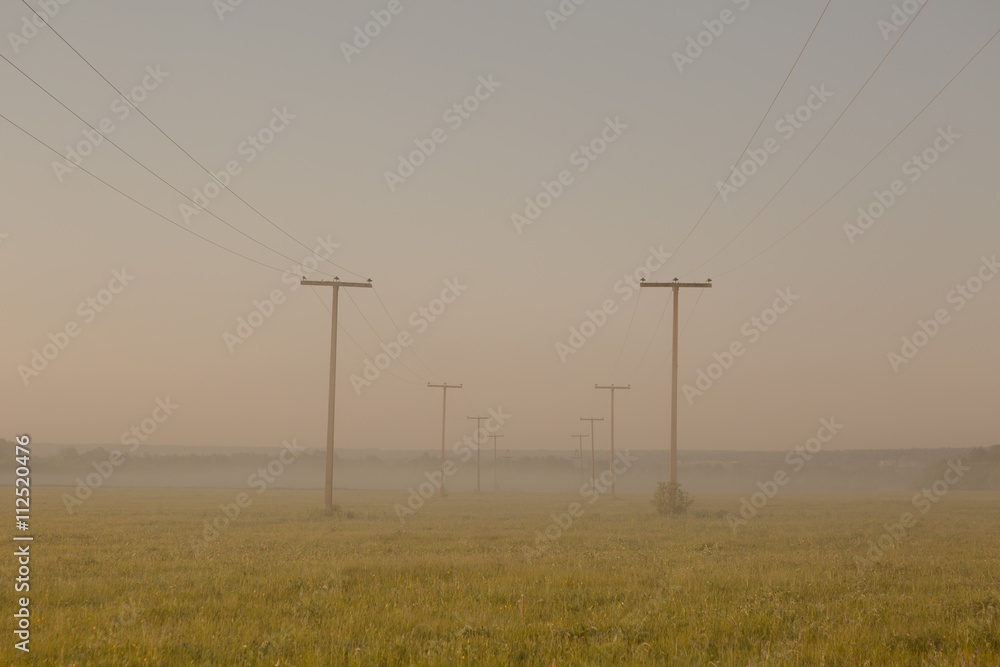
120, 583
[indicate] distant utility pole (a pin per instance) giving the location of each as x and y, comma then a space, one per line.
507, 457
593, 465
479, 450
444, 411
676, 286
580, 454
613, 388
336, 285
496, 483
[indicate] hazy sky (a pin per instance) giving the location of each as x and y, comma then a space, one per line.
609, 68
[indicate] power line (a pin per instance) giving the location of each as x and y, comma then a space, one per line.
816, 147
144, 167
687, 321
354, 340
379, 337
756, 131
627, 333
867, 164
400, 332
205, 169
732, 171
136, 201
652, 338
171, 140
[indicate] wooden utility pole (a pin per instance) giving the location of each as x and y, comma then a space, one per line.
676, 286
613, 388
479, 451
444, 412
336, 285
593, 463
496, 483
579, 455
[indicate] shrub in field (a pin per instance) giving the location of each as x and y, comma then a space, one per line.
670, 498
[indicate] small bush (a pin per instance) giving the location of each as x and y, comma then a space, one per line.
671, 499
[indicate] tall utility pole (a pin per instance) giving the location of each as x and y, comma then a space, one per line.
580, 456
496, 483
444, 411
593, 465
479, 451
676, 286
336, 285
613, 388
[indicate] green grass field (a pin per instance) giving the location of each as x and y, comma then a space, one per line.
119, 583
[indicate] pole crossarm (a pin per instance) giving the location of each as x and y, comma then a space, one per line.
707, 285
334, 283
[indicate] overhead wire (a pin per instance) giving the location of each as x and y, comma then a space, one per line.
627, 334
148, 208
176, 144
400, 332
816, 147
379, 337
652, 338
756, 131
200, 165
683, 328
743, 152
867, 164
147, 169
340, 327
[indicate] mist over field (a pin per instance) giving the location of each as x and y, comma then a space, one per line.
539, 472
